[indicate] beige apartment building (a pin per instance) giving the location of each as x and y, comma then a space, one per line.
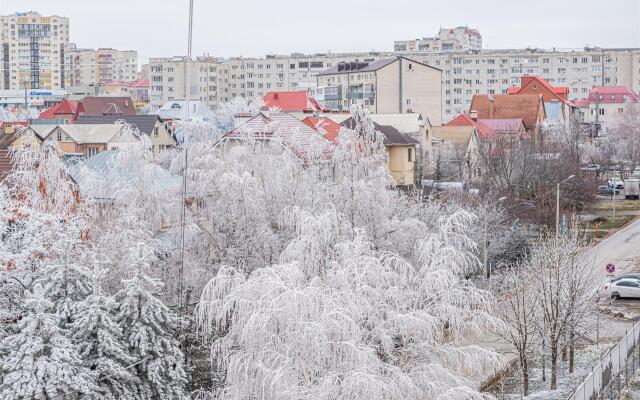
464, 73
168, 76
90, 67
33, 51
391, 85
447, 39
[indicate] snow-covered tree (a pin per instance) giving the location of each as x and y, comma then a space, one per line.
150, 330
338, 319
39, 361
101, 346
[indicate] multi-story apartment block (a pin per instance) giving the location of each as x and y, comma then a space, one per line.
33, 51
168, 76
448, 39
464, 73
391, 85
89, 67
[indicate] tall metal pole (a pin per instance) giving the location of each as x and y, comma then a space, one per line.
557, 210
484, 243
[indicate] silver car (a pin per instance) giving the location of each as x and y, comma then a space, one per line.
623, 287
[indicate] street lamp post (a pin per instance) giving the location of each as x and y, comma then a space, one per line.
558, 204
484, 239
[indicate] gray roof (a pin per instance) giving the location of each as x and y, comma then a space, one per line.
144, 123
359, 66
392, 136
112, 175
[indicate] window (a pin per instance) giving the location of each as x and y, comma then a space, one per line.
304, 64
59, 136
410, 154
155, 131
601, 111
316, 64
92, 151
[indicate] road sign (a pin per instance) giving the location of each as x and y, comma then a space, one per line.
611, 268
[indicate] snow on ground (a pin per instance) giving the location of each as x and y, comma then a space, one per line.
511, 387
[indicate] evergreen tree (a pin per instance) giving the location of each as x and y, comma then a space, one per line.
101, 346
39, 361
66, 285
150, 329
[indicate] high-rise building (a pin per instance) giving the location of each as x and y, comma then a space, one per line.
89, 67
447, 39
33, 51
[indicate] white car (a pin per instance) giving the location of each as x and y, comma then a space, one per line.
615, 183
623, 287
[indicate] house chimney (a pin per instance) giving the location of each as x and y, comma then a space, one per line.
491, 100
275, 96
474, 115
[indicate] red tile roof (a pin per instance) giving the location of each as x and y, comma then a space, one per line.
329, 127
98, 105
6, 164
561, 92
484, 131
292, 101
612, 94
65, 107
525, 106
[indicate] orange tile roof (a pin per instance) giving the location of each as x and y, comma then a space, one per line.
330, 127
525, 106
484, 131
292, 101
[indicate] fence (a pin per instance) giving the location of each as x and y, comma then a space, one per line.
614, 371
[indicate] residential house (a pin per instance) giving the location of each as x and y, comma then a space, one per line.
138, 90
391, 85
462, 137
527, 107
557, 106
65, 110
89, 140
401, 152
160, 134
15, 134
273, 126
102, 105
604, 105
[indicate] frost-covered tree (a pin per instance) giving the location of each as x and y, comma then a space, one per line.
101, 344
338, 319
150, 330
39, 361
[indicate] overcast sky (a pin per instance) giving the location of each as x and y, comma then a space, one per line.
158, 28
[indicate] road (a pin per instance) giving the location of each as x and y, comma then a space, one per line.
621, 249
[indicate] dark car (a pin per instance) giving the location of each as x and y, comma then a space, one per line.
605, 190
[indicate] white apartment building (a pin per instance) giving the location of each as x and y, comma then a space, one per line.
33, 51
90, 67
447, 39
464, 73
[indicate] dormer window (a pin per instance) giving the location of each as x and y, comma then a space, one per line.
175, 106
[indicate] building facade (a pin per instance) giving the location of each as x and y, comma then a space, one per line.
447, 39
92, 67
33, 51
464, 73
391, 85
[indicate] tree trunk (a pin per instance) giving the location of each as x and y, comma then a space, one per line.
571, 352
554, 366
525, 376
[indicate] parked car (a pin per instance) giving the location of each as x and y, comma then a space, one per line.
631, 275
615, 182
591, 168
623, 287
632, 188
605, 190
614, 168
